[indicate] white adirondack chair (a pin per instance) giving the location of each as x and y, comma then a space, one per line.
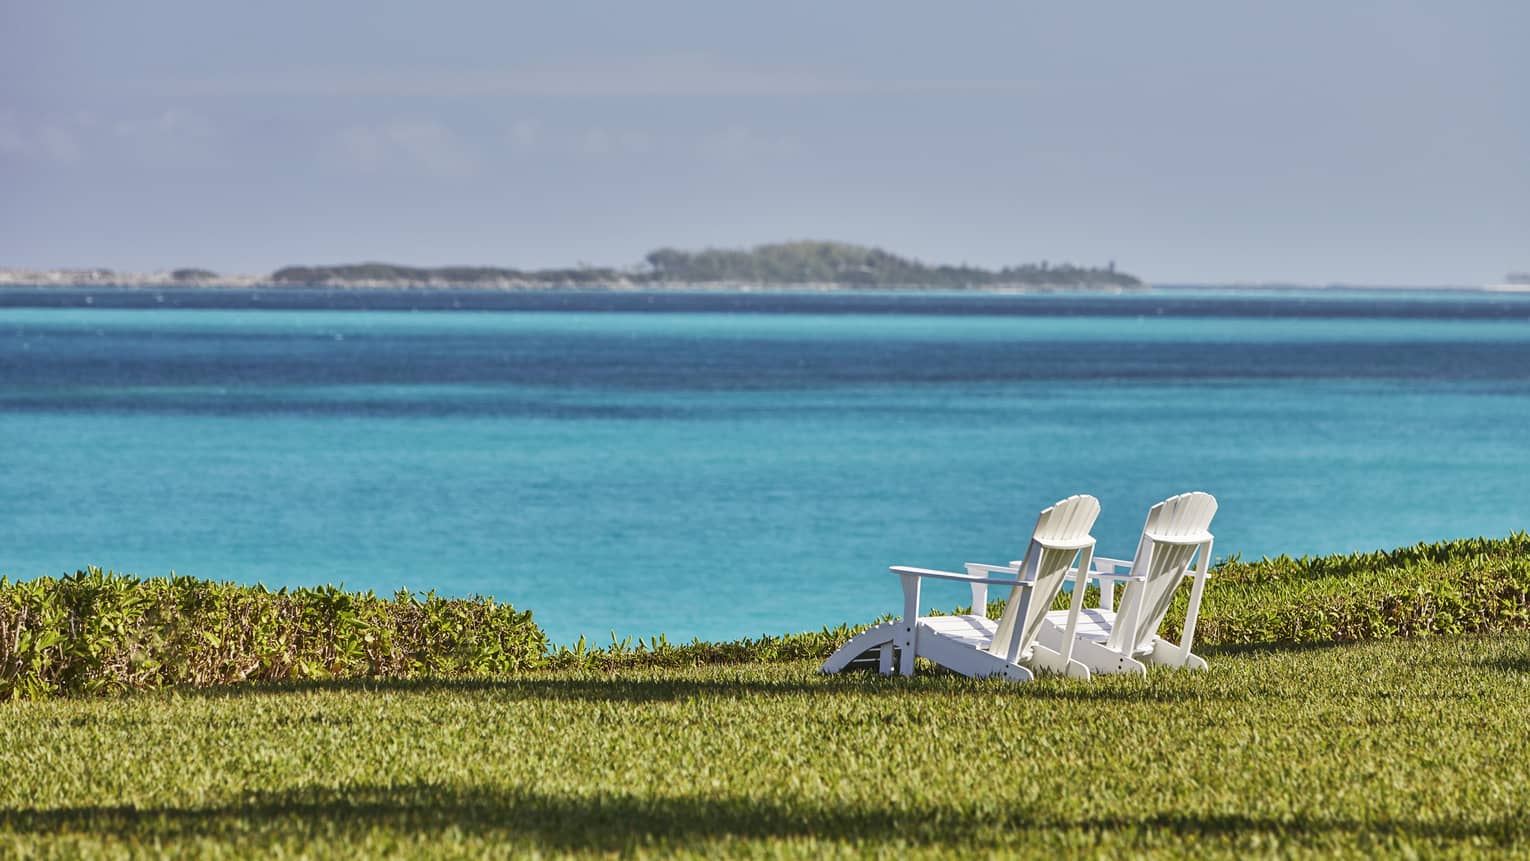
1109, 640
975, 645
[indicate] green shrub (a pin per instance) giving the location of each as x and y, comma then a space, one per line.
95, 632
1466, 586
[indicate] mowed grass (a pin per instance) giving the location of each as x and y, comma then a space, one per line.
1392, 747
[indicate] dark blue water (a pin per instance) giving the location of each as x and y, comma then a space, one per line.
731, 464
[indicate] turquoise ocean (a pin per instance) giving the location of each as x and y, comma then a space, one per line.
728, 465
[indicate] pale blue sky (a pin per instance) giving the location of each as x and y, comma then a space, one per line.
1384, 142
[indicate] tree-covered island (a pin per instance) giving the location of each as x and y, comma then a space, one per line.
823, 265
806, 265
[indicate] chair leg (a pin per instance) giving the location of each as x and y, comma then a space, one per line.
1045, 658
1192, 612
880, 638
1167, 654
1095, 656
909, 633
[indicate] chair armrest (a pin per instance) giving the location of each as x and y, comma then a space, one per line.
977, 569
1198, 538
1097, 574
952, 575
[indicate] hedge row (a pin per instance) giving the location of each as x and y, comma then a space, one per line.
100, 632
1466, 586
96, 632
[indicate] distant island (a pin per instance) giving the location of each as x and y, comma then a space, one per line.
785, 265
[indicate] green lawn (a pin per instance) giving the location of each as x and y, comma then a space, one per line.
1395, 747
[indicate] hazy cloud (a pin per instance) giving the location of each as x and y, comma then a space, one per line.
421, 144
525, 135
168, 135
599, 141
168, 124
651, 76
532, 136
45, 141
172, 135
740, 143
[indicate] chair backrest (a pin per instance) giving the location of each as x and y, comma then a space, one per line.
1176, 530
1061, 534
